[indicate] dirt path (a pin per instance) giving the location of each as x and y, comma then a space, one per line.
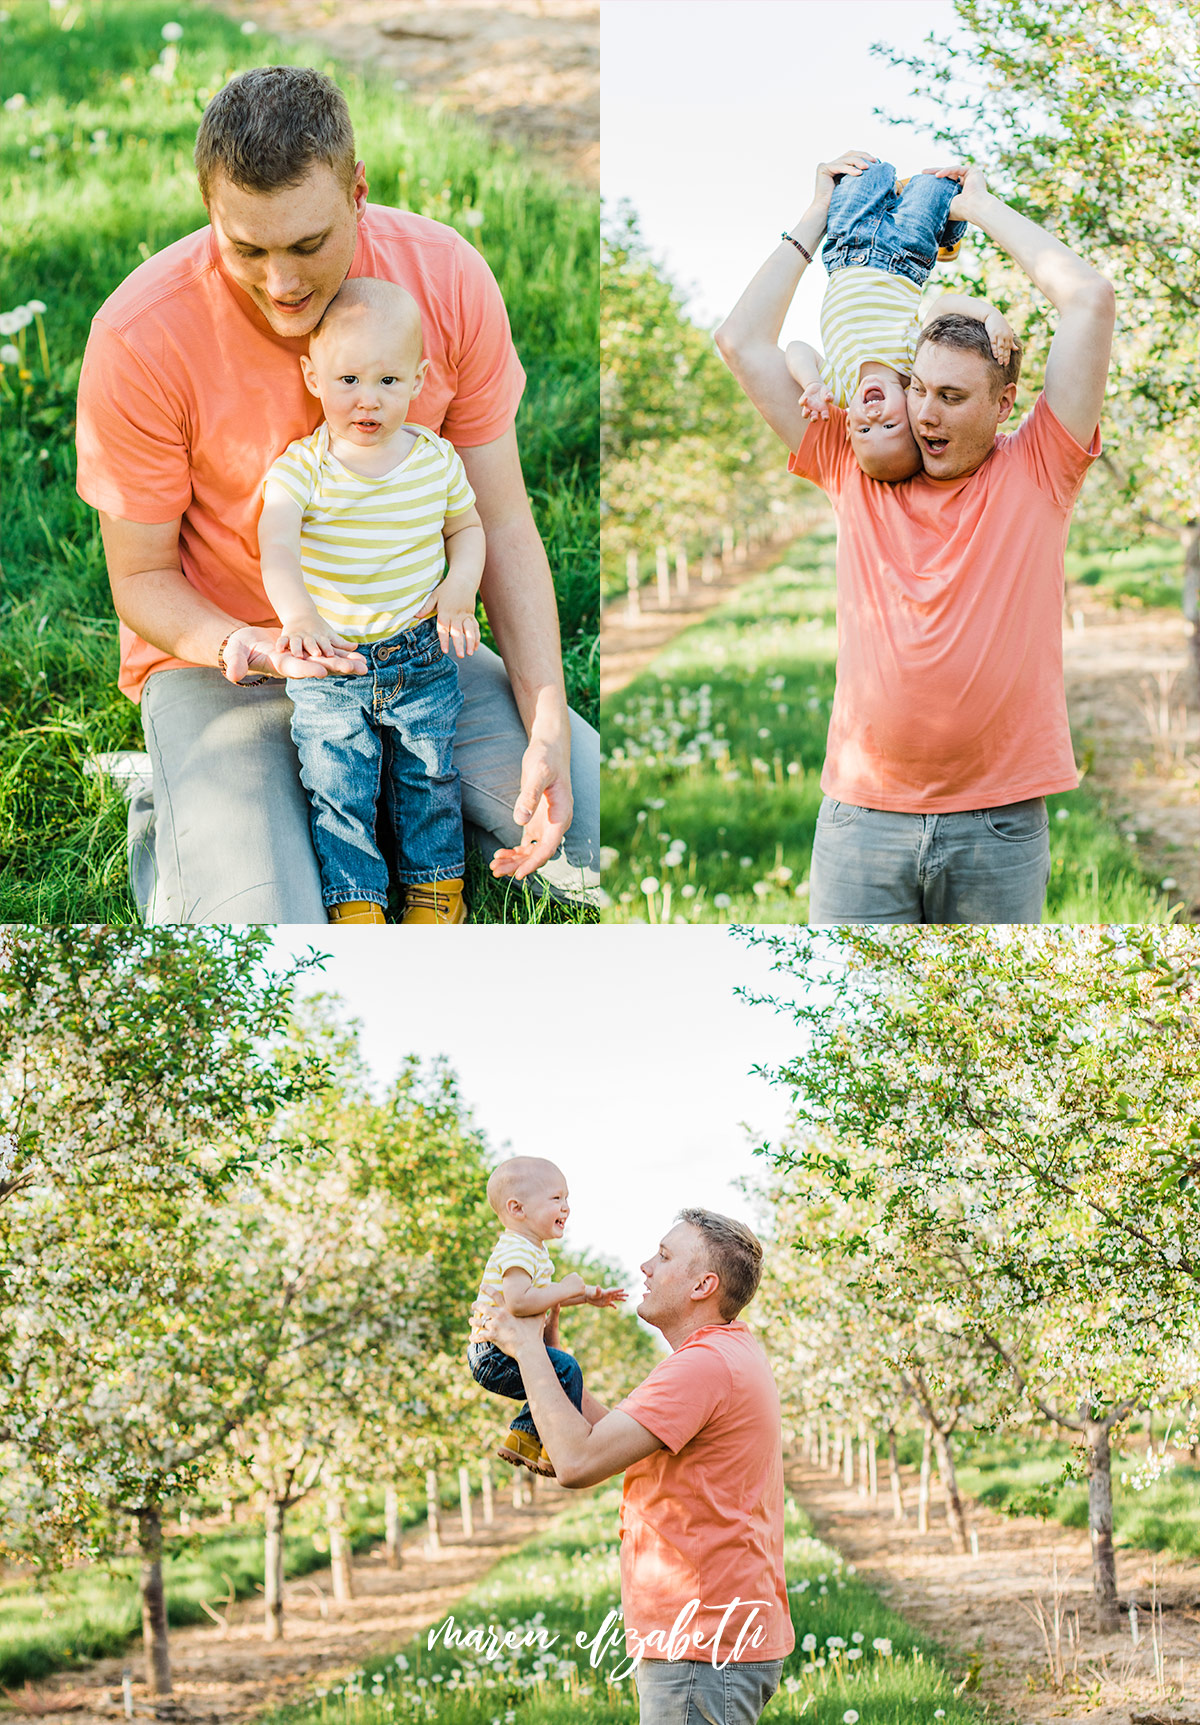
529, 70
229, 1676
974, 1605
1134, 709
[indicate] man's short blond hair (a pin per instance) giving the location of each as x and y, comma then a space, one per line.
734, 1255
267, 127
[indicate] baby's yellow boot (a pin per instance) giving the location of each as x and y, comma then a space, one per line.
434, 901
357, 910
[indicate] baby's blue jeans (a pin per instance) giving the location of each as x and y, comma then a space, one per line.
494, 1370
411, 691
870, 223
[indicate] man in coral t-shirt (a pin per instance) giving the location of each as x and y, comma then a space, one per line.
191, 387
700, 1442
949, 725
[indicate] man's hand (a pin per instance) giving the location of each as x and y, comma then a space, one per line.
851, 162
513, 1336
966, 206
543, 809
253, 651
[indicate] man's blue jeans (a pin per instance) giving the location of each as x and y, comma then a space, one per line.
870, 223
410, 690
695, 1692
979, 865
494, 1370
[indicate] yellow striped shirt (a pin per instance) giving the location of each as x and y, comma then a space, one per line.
371, 550
511, 1251
867, 314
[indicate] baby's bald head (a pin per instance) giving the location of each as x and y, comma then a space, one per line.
382, 307
523, 1178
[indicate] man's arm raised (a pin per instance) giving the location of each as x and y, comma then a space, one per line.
1077, 366
748, 340
154, 598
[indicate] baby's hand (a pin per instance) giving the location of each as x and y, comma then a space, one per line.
308, 637
605, 1296
815, 401
456, 624
1001, 336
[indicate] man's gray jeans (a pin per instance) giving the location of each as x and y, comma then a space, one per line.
695, 1692
223, 836
977, 865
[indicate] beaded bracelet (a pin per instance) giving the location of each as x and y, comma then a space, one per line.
803, 250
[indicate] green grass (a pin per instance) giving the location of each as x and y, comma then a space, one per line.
1018, 1478
94, 1611
713, 757
1148, 574
78, 217
566, 1582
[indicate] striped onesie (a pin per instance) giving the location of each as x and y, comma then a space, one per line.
371, 550
867, 314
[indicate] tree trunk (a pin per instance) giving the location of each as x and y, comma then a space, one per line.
154, 1604
864, 1470
894, 1474
433, 1522
848, 1457
393, 1531
273, 1571
872, 1468
823, 1444
464, 1500
926, 1474
835, 1454
1190, 536
485, 1481
954, 1507
1100, 1525
340, 1568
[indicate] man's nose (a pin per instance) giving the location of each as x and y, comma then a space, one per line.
282, 281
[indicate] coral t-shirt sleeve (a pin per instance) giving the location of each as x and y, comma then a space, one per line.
490, 378
823, 453
133, 459
680, 1396
1050, 455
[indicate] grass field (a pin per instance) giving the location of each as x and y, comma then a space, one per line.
1026, 1478
96, 146
713, 759
93, 1611
564, 1585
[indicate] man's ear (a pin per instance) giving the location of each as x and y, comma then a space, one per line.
1004, 404
419, 377
309, 373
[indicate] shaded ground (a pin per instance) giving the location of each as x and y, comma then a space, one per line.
974, 1605
230, 1675
529, 70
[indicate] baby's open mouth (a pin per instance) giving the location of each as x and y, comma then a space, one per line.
872, 393
367, 424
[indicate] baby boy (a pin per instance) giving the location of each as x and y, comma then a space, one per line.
529, 1195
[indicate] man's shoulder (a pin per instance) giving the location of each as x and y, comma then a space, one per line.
173, 275
385, 227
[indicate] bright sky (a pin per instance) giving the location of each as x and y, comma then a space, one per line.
620, 1053
715, 114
